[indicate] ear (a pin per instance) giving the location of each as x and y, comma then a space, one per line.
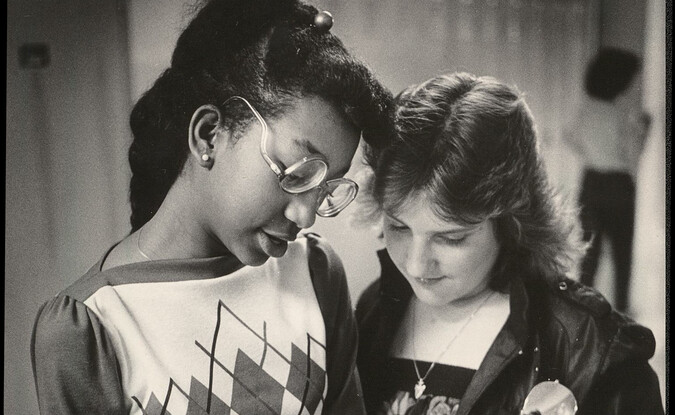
204, 127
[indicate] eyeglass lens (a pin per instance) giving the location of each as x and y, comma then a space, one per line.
304, 176
336, 196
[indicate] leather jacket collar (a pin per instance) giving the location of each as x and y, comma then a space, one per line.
565, 332
395, 292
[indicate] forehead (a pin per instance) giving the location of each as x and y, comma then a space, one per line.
313, 125
419, 213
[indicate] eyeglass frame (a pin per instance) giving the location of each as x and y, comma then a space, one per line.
281, 174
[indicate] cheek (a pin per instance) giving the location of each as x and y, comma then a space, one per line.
246, 177
397, 246
470, 262
257, 183
248, 197
491, 249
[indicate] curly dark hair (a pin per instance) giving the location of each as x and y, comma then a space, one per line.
470, 145
268, 51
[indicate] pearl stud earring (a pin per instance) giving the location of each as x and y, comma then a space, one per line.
205, 157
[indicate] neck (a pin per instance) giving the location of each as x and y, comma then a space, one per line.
456, 310
175, 232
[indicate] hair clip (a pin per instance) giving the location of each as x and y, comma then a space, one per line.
323, 21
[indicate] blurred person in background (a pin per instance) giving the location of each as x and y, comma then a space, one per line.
608, 134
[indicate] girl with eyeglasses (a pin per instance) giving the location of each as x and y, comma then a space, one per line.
214, 303
474, 306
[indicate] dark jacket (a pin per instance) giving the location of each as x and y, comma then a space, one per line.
567, 332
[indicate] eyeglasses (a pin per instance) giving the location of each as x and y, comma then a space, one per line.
307, 174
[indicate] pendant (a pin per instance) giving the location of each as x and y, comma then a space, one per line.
419, 388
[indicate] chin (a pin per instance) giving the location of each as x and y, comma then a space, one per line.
432, 299
251, 258
254, 260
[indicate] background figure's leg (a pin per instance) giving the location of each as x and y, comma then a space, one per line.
620, 226
591, 223
589, 265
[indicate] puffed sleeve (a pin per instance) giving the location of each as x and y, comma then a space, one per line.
344, 394
74, 364
626, 384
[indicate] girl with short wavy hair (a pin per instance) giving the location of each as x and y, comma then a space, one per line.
475, 304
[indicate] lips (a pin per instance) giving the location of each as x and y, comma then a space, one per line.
429, 281
280, 237
273, 244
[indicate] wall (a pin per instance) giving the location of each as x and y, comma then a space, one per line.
153, 31
66, 169
640, 27
648, 286
540, 47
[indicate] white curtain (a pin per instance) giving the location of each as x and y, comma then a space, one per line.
66, 168
541, 46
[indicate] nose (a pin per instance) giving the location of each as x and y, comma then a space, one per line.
418, 259
302, 209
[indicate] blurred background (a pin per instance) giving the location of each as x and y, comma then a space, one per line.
75, 68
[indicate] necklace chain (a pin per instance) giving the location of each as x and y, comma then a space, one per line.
420, 378
138, 245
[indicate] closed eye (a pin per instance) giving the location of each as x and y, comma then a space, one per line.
396, 228
454, 240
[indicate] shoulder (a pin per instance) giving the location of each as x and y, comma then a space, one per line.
323, 261
89, 283
369, 298
371, 293
62, 322
65, 326
74, 363
319, 246
64, 334
328, 277
369, 308
570, 301
602, 354
584, 316
391, 291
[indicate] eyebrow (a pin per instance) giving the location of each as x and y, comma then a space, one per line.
463, 229
306, 145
